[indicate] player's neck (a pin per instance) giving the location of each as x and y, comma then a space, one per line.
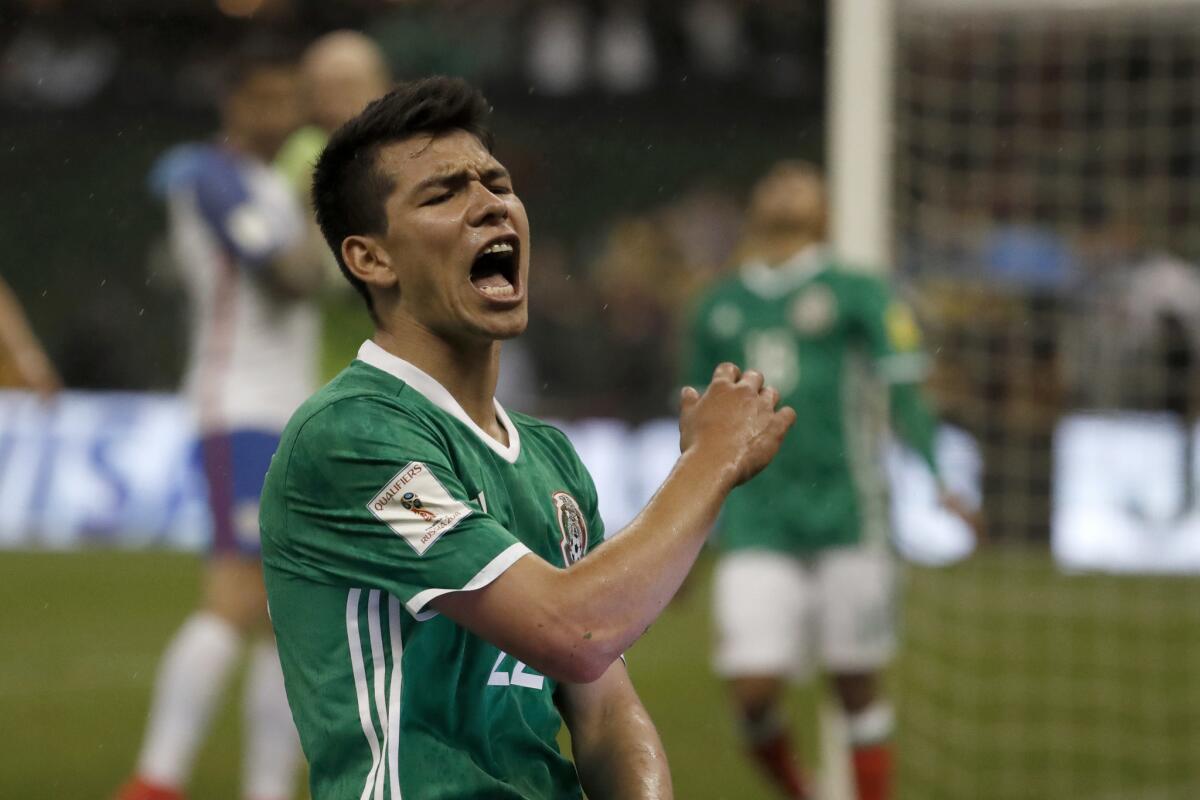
467, 371
778, 250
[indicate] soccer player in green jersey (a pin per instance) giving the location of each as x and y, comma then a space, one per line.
799, 543
435, 570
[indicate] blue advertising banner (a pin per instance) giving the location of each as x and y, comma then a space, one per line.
120, 470
99, 469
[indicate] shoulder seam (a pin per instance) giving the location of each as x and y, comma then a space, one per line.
287, 467
389, 400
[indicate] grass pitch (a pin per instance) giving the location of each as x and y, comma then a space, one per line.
1015, 681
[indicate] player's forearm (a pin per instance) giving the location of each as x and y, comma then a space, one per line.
15, 333
623, 757
19, 340
571, 624
615, 593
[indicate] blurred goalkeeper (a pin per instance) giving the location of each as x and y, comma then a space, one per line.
804, 574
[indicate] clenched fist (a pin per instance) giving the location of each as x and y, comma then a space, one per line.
735, 422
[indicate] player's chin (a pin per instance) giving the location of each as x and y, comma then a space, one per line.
515, 325
503, 324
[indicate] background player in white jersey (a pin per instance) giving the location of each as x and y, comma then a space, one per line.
237, 233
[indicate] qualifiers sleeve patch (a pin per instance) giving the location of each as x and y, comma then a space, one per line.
417, 507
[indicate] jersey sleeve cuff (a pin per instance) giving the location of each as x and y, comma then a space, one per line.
492, 570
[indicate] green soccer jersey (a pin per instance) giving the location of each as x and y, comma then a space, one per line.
821, 335
382, 496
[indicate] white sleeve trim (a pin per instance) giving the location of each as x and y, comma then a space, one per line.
494, 569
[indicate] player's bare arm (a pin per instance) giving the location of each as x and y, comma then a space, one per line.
573, 623
616, 747
22, 343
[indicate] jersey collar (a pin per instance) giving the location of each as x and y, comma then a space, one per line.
767, 281
437, 394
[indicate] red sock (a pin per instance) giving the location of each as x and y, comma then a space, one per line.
138, 789
873, 771
776, 758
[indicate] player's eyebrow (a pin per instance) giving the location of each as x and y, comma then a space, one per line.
495, 173
460, 177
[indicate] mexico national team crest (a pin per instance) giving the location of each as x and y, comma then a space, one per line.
572, 525
813, 311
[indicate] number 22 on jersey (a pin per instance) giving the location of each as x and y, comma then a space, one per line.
518, 676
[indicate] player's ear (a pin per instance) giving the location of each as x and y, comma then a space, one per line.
368, 261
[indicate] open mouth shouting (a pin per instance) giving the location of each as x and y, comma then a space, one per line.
495, 272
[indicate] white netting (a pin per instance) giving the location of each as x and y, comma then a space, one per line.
1046, 210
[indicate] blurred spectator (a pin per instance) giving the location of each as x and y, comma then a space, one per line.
63, 53
1028, 256
565, 379
1138, 315
558, 48
468, 38
571, 48
636, 280
649, 269
716, 37
626, 61
58, 58
783, 32
704, 223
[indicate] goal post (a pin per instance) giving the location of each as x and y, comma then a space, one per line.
859, 149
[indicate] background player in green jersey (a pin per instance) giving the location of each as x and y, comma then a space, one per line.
800, 543
343, 71
423, 549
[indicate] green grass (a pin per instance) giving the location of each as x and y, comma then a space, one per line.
1015, 682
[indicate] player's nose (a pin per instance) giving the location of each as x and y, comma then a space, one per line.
486, 206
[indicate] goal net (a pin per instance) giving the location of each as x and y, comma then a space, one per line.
1046, 213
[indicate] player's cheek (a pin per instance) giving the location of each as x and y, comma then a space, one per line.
516, 212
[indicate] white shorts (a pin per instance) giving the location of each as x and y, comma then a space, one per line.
781, 615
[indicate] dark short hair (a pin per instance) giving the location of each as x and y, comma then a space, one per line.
350, 191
